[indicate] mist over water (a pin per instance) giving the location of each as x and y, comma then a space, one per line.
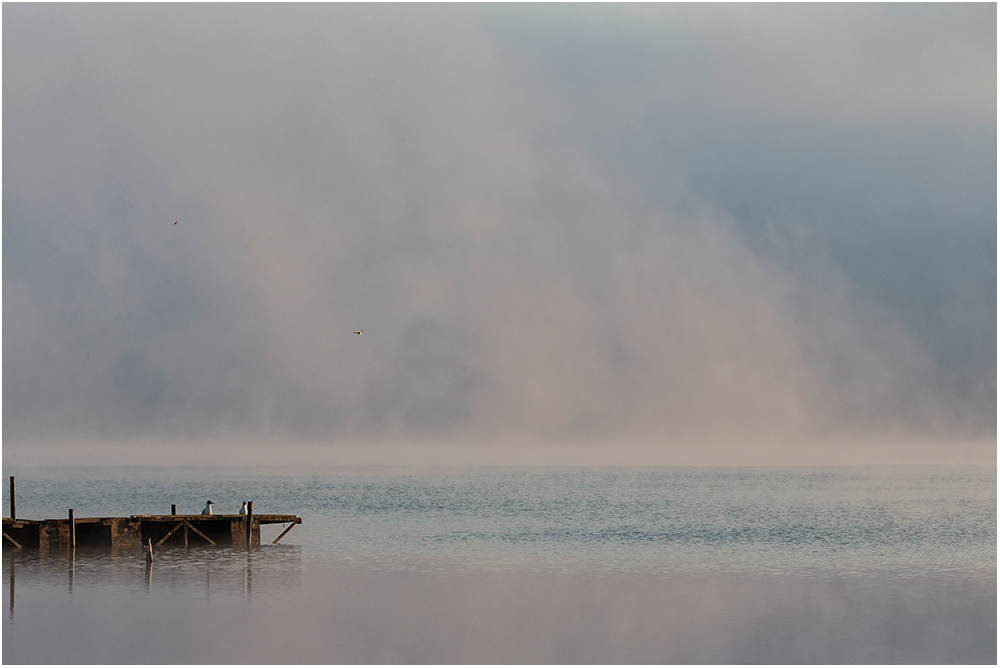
525, 565
598, 223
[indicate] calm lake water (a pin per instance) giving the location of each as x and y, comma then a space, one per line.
525, 565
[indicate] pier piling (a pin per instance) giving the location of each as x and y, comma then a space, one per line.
72, 530
249, 521
13, 505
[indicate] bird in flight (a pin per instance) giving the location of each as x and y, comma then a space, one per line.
175, 222
359, 332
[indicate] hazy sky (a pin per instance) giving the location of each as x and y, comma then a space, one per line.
670, 225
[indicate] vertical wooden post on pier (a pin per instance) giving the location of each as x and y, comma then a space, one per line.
13, 505
249, 522
173, 508
72, 530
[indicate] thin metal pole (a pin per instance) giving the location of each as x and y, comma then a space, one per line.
72, 530
13, 504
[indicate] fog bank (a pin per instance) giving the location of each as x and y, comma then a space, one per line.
692, 229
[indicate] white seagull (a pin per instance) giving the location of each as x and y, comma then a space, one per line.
208, 508
243, 510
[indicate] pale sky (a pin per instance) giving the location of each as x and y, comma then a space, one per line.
682, 227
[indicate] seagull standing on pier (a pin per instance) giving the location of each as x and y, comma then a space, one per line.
208, 508
243, 510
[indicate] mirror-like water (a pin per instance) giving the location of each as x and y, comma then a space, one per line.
523, 565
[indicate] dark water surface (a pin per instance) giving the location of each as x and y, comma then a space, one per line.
545, 565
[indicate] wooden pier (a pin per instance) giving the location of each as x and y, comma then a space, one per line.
136, 530
139, 530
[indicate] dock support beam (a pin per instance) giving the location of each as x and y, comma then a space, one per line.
13, 504
186, 525
287, 529
195, 529
72, 530
171, 532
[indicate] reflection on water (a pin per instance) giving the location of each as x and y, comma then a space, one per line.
203, 570
531, 566
214, 605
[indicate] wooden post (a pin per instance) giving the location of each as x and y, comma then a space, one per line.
72, 530
13, 505
148, 549
13, 568
249, 521
173, 508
